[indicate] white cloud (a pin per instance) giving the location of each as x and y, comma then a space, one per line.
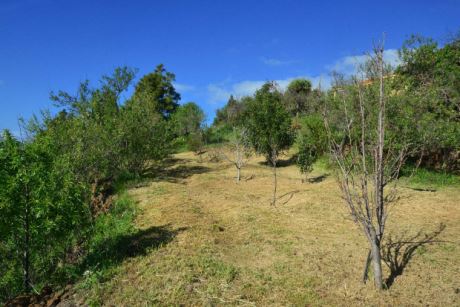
219, 93
246, 88
349, 65
391, 57
180, 87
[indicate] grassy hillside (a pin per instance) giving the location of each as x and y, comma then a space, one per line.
202, 239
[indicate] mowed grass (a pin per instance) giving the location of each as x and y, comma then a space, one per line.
209, 241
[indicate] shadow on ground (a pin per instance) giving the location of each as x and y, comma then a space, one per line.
281, 163
286, 197
397, 252
174, 170
316, 179
114, 250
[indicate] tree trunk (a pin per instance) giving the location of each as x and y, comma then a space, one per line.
377, 264
366, 267
237, 175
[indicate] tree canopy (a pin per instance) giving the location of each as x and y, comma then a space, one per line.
157, 92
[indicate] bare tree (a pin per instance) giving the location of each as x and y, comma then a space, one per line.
367, 162
240, 150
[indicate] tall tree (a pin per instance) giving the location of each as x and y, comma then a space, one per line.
188, 118
106, 137
144, 137
90, 132
269, 126
297, 95
157, 92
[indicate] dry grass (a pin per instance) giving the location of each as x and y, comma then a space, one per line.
232, 248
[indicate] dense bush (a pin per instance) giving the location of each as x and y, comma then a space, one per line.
429, 78
56, 186
43, 214
311, 141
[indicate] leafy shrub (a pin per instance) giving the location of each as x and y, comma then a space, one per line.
311, 142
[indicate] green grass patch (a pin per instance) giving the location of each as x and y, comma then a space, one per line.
422, 178
323, 163
107, 245
212, 267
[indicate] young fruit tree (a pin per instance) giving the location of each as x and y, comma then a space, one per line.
240, 150
269, 126
196, 143
367, 161
312, 142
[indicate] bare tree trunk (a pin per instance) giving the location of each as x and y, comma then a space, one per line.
363, 185
240, 151
379, 183
377, 264
366, 266
275, 182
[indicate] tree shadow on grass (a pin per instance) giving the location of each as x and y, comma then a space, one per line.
316, 179
171, 169
397, 252
113, 251
171, 172
281, 163
287, 197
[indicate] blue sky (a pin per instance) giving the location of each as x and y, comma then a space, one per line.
214, 47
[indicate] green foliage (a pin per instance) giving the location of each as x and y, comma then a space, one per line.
296, 98
108, 243
104, 137
188, 124
143, 136
422, 178
428, 84
43, 213
312, 142
188, 119
195, 142
87, 130
299, 86
268, 123
218, 134
94, 141
232, 113
106, 233
156, 90
97, 138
